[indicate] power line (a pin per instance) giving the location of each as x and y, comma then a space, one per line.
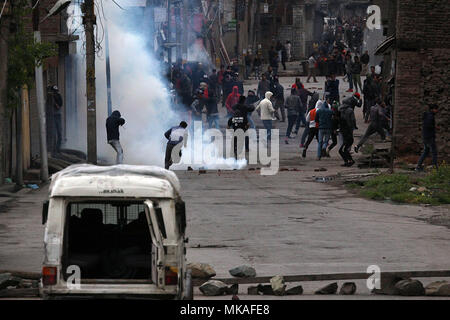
117, 4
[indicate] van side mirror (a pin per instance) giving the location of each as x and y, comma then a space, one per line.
45, 212
180, 213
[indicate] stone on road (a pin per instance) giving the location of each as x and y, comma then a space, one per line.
213, 288
348, 288
328, 289
243, 272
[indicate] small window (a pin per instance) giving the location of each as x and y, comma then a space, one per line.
289, 15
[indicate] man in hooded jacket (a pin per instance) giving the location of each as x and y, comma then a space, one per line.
112, 132
313, 126
267, 113
232, 99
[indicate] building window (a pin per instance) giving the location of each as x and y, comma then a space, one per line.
289, 15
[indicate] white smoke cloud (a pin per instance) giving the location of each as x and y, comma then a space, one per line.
138, 92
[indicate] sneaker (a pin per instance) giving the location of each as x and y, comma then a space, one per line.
344, 165
286, 141
327, 154
356, 149
419, 169
349, 90
352, 162
304, 153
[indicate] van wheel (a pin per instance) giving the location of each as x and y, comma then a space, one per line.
189, 288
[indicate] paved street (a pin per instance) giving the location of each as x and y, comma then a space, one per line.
283, 224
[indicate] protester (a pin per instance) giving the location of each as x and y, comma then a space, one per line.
232, 99
335, 127
57, 116
248, 66
347, 123
212, 112
252, 98
313, 126
238, 121
284, 57
332, 87
312, 65
294, 106
429, 137
324, 117
213, 84
365, 59
278, 95
257, 67
303, 93
273, 60
370, 96
267, 113
175, 135
348, 71
311, 105
112, 132
263, 87
356, 73
288, 47
375, 125
198, 104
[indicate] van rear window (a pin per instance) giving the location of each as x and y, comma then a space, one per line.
108, 240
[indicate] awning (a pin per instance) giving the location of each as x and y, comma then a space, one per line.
385, 45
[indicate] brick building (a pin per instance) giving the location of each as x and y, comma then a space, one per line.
416, 56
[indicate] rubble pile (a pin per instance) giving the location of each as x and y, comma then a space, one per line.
14, 286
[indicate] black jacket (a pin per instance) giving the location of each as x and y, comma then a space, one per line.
352, 102
347, 121
428, 123
112, 125
239, 119
211, 106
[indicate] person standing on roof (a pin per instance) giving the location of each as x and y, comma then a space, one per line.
175, 135
112, 131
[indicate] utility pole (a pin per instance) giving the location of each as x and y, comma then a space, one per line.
108, 70
4, 25
169, 34
40, 99
178, 29
19, 140
89, 21
184, 45
236, 9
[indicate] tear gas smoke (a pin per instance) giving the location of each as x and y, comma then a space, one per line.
138, 91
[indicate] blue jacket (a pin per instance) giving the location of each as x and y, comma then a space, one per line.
324, 117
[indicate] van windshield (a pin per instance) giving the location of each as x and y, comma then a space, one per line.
108, 240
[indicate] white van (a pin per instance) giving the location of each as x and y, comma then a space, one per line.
115, 232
